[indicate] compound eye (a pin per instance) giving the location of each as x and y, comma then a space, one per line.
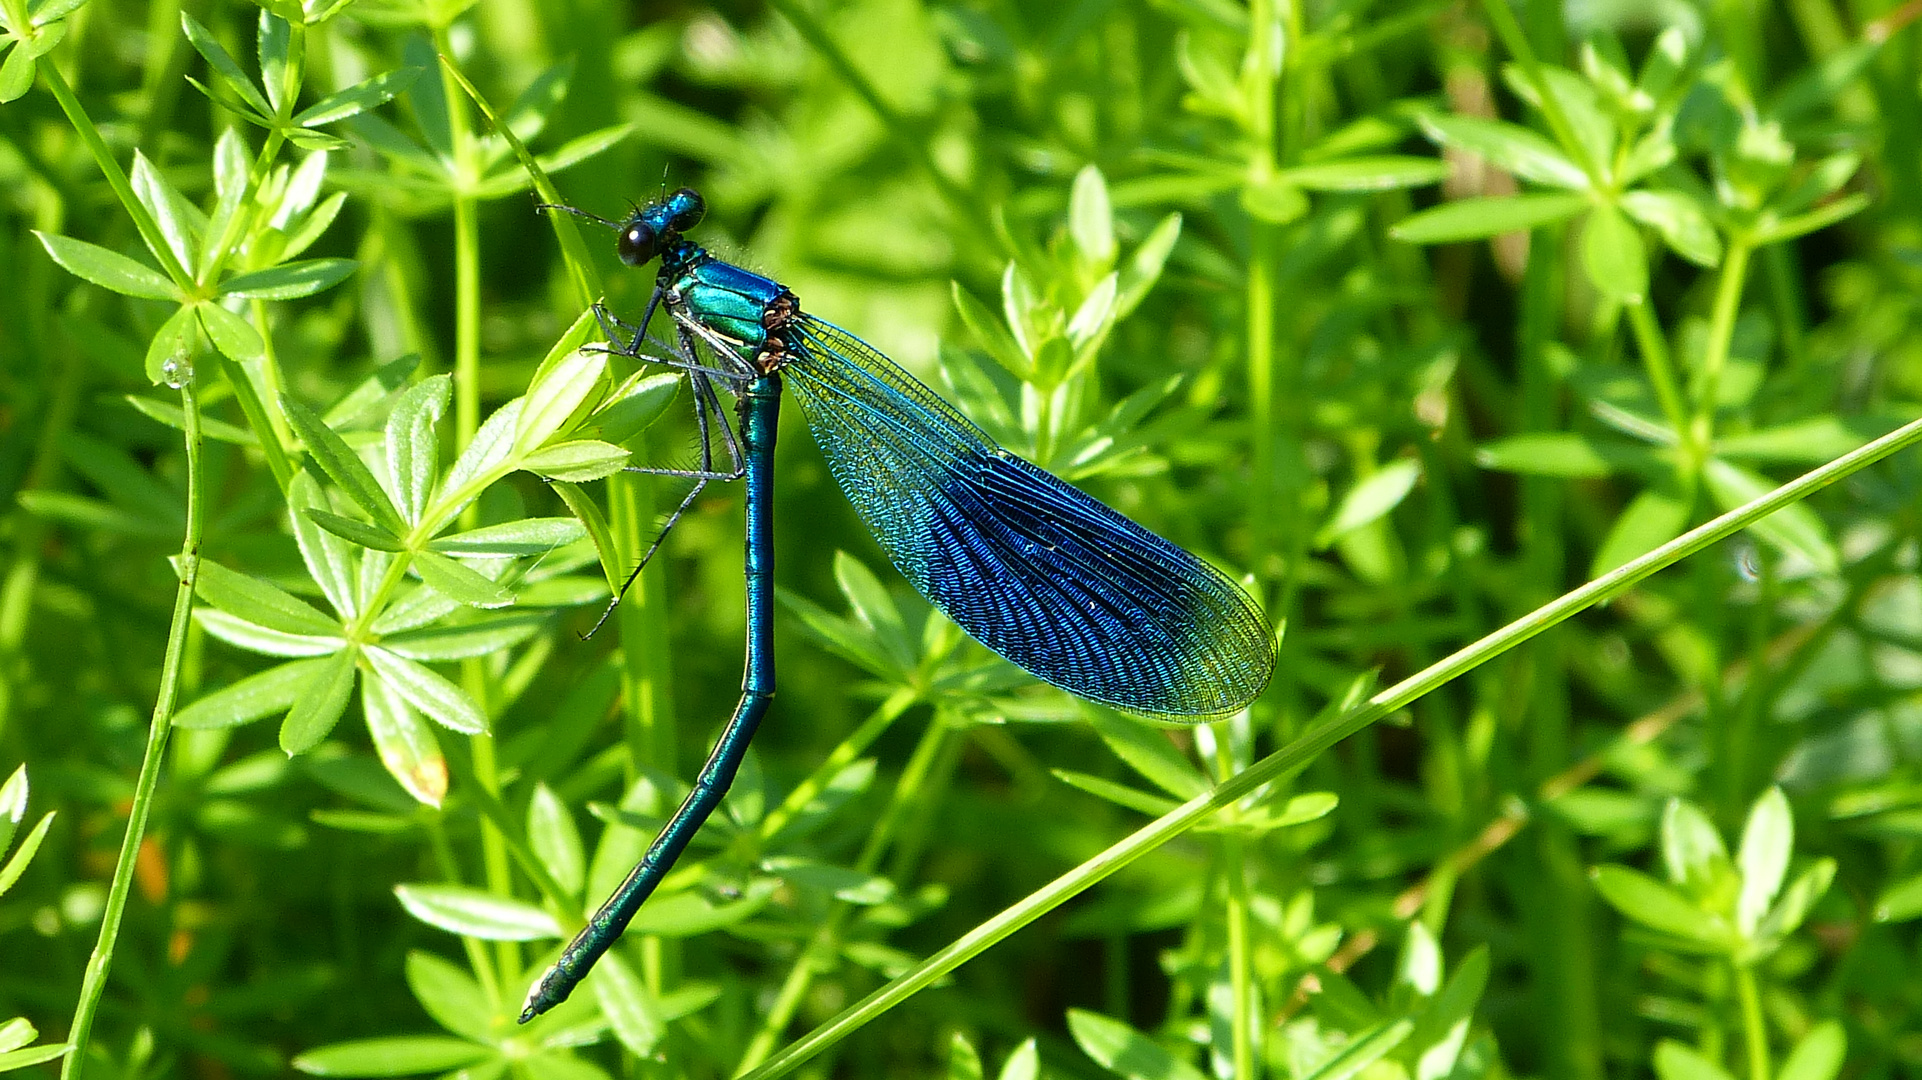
638, 244
689, 209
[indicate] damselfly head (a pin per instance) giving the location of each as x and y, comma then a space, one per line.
639, 241
658, 224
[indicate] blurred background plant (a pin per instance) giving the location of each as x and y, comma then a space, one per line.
1414, 316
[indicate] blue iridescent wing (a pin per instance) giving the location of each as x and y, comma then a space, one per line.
1029, 565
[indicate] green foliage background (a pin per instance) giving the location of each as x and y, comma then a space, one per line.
1415, 317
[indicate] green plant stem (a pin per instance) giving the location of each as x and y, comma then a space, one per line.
261, 422
1299, 753
1234, 864
1516, 42
1653, 345
819, 952
1240, 957
1263, 270
646, 672
116, 178
842, 756
94, 983
1721, 333
1754, 1030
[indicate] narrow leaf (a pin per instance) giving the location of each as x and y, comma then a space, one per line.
473, 913
108, 269
428, 691
342, 465
252, 698
320, 703
1476, 219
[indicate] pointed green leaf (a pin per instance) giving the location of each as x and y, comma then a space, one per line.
173, 347
180, 221
358, 98
1819, 1055
253, 637
1364, 1049
264, 694
458, 582
559, 394
1371, 499
629, 1006
1794, 529
991, 333
1509, 147
577, 461
528, 536
227, 73
234, 336
413, 445
458, 909
1442, 1029
555, 839
428, 691
405, 742
404, 1055
289, 281
1091, 219
342, 465
108, 269
450, 996
1763, 857
259, 602
1120, 794
1674, 1061
1276, 202
1146, 750
32, 1055
1144, 267
490, 447
329, 559
1024, 1063
1683, 225
1387, 172
1692, 848
1477, 219
16, 78
1614, 256
1659, 907
356, 532
1122, 1050
492, 634
595, 523
1650, 520
634, 407
19, 1031
17, 863
319, 705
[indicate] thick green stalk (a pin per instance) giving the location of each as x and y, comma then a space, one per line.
1754, 1030
1299, 753
1721, 332
94, 983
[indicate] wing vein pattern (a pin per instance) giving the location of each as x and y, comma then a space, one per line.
1029, 565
